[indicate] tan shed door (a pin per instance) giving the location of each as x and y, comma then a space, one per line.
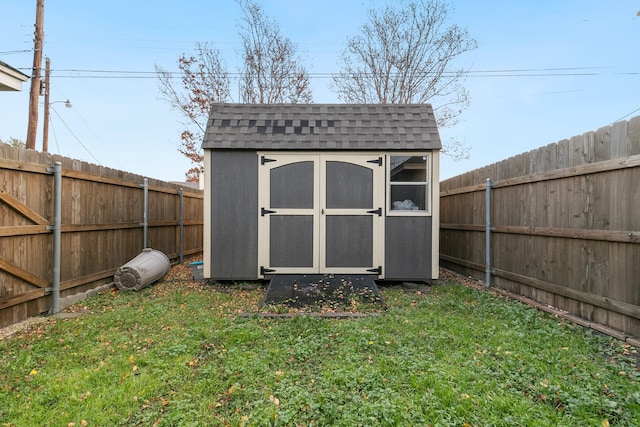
321, 213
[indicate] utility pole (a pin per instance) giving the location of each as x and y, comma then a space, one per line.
32, 127
45, 127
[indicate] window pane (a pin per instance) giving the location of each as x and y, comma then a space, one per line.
408, 197
408, 168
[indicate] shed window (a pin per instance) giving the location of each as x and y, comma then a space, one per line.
408, 181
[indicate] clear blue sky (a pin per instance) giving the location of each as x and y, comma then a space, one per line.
581, 56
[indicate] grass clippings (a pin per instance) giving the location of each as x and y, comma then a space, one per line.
183, 353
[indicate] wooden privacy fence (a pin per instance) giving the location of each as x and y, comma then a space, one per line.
102, 226
565, 225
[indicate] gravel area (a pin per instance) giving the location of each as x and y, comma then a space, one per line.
14, 328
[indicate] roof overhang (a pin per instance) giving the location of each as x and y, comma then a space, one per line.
11, 79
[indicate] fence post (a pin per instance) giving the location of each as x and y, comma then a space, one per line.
487, 246
145, 215
181, 225
57, 221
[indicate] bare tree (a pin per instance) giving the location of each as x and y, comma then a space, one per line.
405, 54
204, 82
271, 72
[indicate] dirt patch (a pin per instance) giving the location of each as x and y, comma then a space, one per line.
14, 328
32, 322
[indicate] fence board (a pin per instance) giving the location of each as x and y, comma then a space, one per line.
567, 231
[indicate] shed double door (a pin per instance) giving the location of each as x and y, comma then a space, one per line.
321, 213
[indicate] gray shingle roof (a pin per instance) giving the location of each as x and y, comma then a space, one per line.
322, 126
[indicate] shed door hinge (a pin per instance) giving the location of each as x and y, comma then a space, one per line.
377, 270
378, 161
376, 211
264, 160
264, 270
264, 212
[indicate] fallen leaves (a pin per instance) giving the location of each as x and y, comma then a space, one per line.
181, 272
274, 400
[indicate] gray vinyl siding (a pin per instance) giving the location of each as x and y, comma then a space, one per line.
234, 215
408, 248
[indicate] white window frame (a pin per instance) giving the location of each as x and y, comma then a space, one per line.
428, 184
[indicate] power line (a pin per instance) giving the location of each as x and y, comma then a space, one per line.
507, 70
625, 116
77, 139
55, 137
89, 126
11, 52
526, 72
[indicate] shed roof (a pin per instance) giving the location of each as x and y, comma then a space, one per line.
322, 126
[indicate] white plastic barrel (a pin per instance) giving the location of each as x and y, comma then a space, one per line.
150, 265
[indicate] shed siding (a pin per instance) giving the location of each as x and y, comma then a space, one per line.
234, 221
408, 248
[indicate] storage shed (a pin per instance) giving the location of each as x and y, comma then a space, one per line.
321, 189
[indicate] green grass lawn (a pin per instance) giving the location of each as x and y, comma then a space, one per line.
179, 354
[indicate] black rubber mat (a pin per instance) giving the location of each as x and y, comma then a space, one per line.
298, 290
